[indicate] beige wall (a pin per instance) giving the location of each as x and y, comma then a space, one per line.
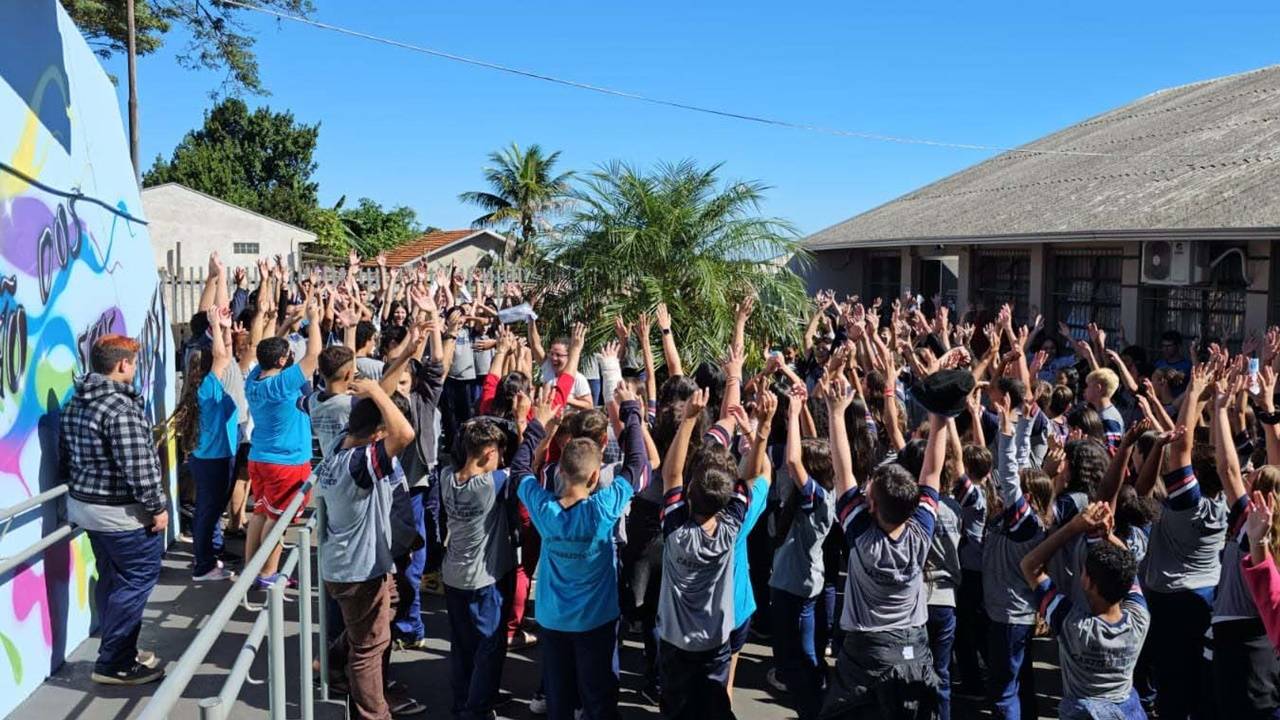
465, 254
202, 224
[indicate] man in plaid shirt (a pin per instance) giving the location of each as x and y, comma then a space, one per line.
117, 496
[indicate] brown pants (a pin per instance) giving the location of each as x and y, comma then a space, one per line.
366, 610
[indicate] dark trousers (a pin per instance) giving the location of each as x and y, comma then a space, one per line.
693, 683
1010, 679
795, 651
1178, 624
459, 406
580, 669
478, 647
942, 635
1246, 671
213, 478
408, 622
366, 611
597, 386
128, 568
971, 632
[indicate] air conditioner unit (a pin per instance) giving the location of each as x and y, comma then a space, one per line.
1170, 263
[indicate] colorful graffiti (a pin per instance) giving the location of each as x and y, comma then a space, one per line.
75, 263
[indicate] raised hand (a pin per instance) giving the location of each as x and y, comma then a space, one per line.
643, 327
798, 397
363, 387
578, 337
743, 309
620, 329
543, 409
1258, 525
623, 393
839, 394
696, 403
352, 259
663, 317
216, 267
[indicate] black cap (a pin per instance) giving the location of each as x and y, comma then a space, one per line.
945, 392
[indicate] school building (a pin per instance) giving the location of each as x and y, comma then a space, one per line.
1161, 214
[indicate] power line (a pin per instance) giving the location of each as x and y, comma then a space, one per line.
878, 137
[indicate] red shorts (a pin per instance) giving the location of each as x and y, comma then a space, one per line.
273, 487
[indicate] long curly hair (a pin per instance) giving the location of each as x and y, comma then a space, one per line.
186, 417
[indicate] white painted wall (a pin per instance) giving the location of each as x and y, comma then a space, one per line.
202, 224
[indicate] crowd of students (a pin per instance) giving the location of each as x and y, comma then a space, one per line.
898, 507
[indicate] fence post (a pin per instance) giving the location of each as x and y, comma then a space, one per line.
307, 697
322, 604
211, 708
275, 649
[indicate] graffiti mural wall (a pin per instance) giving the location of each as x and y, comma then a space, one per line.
75, 263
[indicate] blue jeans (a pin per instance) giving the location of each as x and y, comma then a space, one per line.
1009, 676
580, 669
213, 478
942, 635
1090, 709
477, 648
795, 652
408, 622
597, 387
128, 568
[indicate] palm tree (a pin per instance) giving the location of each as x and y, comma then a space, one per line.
681, 236
523, 193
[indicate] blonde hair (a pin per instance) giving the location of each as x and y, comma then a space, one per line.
1107, 378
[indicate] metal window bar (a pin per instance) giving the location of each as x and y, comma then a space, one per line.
60, 533
170, 691
1196, 312
1087, 290
1003, 277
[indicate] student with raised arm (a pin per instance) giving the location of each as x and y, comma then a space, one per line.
797, 581
1246, 670
756, 472
1021, 511
578, 577
1100, 635
280, 452
1184, 560
356, 481
700, 523
884, 663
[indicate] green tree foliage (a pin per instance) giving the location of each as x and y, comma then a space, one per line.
261, 160
677, 235
217, 37
371, 228
524, 193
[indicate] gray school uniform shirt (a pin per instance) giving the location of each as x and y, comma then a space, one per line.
695, 604
885, 588
973, 522
1010, 535
356, 485
797, 562
1186, 541
329, 414
478, 551
1097, 657
369, 367
942, 566
1233, 601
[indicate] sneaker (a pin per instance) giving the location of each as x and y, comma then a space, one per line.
538, 704
774, 682
265, 583
137, 674
408, 644
217, 574
148, 659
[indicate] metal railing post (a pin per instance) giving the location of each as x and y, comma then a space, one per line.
307, 697
211, 708
322, 604
275, 649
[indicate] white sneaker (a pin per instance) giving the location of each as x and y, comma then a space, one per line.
217, 574
538, 704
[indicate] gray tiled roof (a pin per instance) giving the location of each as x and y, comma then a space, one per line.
1216, 164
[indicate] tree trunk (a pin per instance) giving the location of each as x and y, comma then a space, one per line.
133, 90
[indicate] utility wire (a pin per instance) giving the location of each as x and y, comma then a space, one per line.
879, 137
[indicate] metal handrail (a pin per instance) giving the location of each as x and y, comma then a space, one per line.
177, 679
7, 515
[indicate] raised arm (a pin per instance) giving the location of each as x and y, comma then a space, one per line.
1189, 416
307, 364
669, 350
219, 328
1109, 488
1267, 399
1150, 471
208, 296
650, 381
795, 456
1033, 564
766, 406
935, 453
673, 463
838, 394
1224, 447
398, 430
535, 343
635, 463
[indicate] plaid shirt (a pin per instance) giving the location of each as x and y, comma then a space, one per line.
107, 447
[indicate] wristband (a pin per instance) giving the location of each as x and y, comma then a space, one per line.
889, 392
666, 331
1267, 418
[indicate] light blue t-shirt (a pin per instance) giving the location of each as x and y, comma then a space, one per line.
744, 597
281, 430
219, 420
577, 572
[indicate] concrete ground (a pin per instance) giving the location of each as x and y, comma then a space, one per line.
178, 607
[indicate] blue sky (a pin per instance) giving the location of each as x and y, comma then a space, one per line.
404, 128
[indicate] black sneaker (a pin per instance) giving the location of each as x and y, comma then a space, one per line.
138, 674
651, 693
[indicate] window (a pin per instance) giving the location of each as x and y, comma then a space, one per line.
1213, 312
883, 277
1086, 289
999, 277
245, 248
